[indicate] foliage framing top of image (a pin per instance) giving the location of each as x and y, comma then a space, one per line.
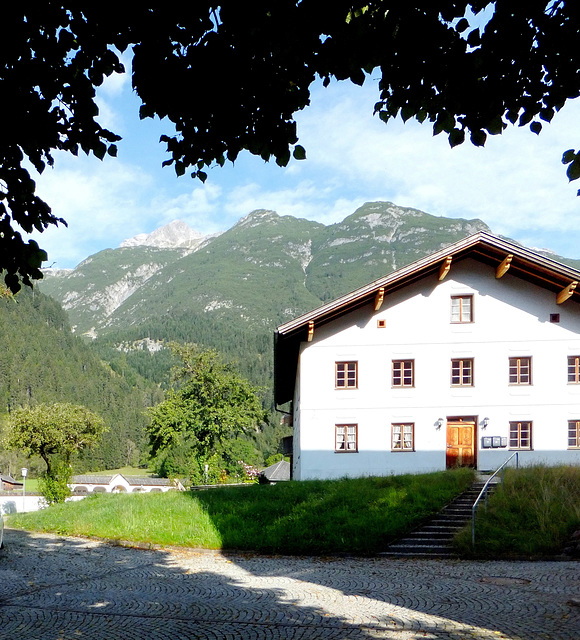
251, 69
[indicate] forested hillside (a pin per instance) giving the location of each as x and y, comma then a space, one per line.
41, 360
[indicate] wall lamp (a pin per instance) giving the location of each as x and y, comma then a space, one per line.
439, 423
485, 422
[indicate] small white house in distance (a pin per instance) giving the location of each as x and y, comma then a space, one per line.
119, 483
460, 358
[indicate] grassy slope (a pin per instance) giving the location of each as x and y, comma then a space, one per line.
316, 517
532, 514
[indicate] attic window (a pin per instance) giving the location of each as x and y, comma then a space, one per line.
381, 324
555, 317
462, 309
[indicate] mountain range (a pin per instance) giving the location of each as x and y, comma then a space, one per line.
264, 270
230, 290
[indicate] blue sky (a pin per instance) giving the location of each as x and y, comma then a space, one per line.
516, 184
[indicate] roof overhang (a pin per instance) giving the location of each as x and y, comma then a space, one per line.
500, 254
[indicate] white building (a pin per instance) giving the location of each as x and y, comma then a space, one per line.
459, 358
118, 483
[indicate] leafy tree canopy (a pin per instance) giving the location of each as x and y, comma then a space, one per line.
230, 76
209, 405
54, 432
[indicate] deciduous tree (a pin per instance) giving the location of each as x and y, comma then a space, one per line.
209, 404
55, 432
230, 77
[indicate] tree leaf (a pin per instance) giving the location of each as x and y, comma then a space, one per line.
536, 127
407, 112
568, 156
100, 149
299, 152
456, 137
478, 138
573, 171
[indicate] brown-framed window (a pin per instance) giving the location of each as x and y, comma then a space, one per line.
520, 370
573, 434
346, 438
346, 375
462, 309
403, 373
403, 437
520, 435
573, 369
462, 372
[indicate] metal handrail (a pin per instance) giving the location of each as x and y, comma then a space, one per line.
484, 491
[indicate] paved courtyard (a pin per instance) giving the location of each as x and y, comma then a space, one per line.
65, 588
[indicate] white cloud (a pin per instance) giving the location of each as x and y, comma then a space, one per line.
196, 207
99, 201
516, 184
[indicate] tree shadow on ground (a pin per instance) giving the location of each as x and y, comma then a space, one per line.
63, 588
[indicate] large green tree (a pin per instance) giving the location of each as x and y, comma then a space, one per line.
55, 432
209, 405
230, 76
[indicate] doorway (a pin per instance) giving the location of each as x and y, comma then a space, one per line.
461, 449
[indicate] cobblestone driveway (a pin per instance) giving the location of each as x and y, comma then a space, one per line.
64, 588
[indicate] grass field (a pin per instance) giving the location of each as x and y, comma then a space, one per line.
359, 516
531, 514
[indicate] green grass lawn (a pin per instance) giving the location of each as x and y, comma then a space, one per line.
531, 514
359, 516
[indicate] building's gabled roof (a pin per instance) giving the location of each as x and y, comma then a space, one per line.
87, 479
148, 481
277, 472
501, 254
130, 480
10, 480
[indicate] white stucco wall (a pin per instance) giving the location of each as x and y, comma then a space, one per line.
17, 503
511, 318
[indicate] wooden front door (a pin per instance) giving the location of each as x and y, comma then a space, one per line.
460, 442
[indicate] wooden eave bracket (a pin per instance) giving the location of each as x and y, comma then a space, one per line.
379, 298
566, 292
445, 267
504, 266
310, 330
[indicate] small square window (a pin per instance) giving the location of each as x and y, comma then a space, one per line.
520, 371
462, 372
521, 435
461, 309
346, 375
403, 437
381, 324
346, 438
555, 317
573, 369
403, 373
573, 434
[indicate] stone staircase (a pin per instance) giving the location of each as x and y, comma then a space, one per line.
434, 538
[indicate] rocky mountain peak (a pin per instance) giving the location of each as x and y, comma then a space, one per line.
257, 217
176, 234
